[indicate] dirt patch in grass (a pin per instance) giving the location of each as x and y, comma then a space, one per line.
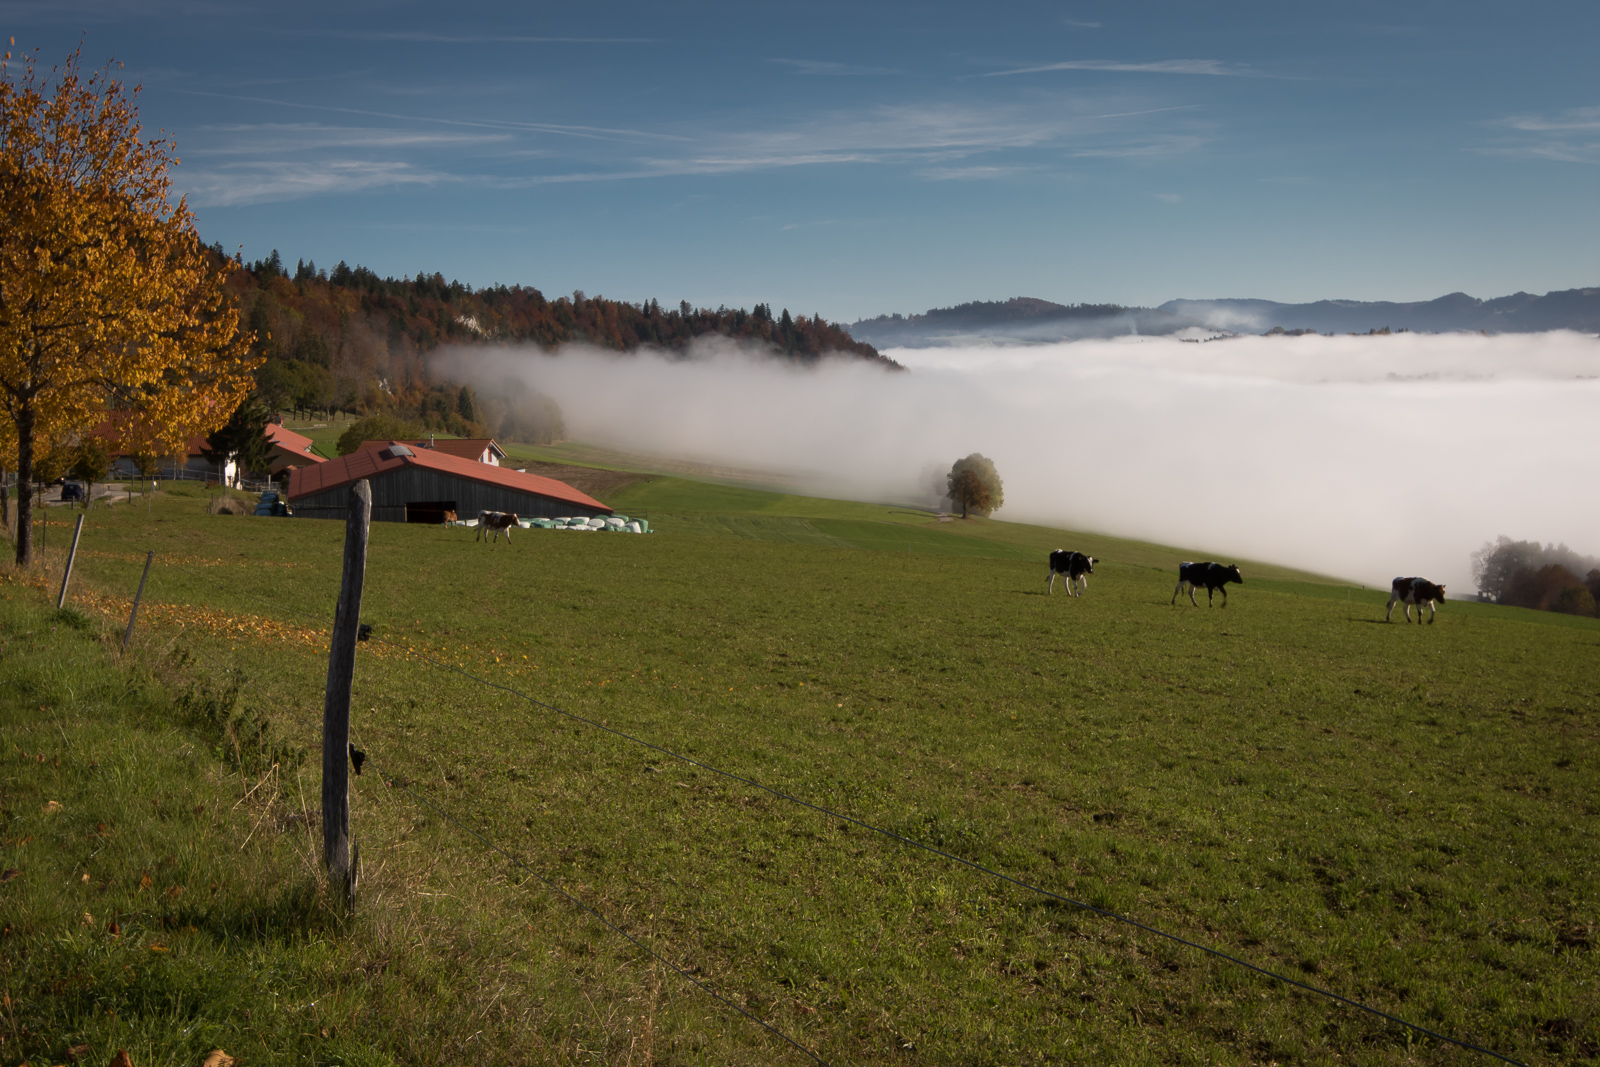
592, 480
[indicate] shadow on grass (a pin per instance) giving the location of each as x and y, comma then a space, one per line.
289, 915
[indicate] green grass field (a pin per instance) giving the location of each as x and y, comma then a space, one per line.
1401, 814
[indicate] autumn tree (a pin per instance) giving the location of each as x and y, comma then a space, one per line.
974, 485
108, 299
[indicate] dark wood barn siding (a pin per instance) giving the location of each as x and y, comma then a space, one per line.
411, 485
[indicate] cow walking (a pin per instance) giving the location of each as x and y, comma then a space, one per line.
1418, 591
1075, 567
496, 521
1213, 576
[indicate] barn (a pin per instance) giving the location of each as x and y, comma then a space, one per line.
420, 485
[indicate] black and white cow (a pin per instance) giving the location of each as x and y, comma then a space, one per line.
1075, 567
1213, 576
1418, 591
496, 521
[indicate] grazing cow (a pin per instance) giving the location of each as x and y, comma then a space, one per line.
1075, 567
1213, 576
496, 521
1418, 591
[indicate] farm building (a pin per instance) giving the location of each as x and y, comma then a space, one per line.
421, 485
188, 462
482, 449
290, 449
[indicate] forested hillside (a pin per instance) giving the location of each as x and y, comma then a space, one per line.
349, 340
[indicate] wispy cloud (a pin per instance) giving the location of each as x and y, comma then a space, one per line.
826, 68
1570, 136
970, 174
284, 138
1163, 145
1578, 118
1080, 25
1208, 67
945, 142
425, 37
479, 123
264, 181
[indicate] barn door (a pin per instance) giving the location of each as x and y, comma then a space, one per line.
430, 511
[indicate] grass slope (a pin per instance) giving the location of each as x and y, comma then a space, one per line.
1398, 813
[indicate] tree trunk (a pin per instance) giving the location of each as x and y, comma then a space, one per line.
27, 419
5, 501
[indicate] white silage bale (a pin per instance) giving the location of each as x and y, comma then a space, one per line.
596, 522
633, 527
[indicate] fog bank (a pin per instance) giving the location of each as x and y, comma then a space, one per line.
1359, 457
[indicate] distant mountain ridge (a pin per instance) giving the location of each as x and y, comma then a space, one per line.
1031, 320
1022, 318
1567, 309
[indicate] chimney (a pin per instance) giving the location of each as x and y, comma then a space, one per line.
430, 440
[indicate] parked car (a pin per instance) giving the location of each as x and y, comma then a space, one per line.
71, 490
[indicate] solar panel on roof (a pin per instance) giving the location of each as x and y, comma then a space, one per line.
400, 450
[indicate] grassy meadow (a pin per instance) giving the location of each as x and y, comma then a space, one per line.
1401, 814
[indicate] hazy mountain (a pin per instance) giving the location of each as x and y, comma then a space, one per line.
1020, 319
1028, 320
1570, 309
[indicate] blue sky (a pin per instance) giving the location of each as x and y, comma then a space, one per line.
854, 159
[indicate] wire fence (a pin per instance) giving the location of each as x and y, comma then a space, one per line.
823, 810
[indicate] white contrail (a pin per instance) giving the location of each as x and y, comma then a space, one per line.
1360, 457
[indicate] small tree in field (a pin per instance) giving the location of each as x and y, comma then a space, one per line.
90, 464
146, 460
975, 485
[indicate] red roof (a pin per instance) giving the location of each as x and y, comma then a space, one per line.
465, 447
370, 463
110, 430
292, 441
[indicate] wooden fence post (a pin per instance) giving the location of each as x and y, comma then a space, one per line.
342, 860
134, 614
66, 575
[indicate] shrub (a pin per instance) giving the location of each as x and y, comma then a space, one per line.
379, 427
1575, 600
